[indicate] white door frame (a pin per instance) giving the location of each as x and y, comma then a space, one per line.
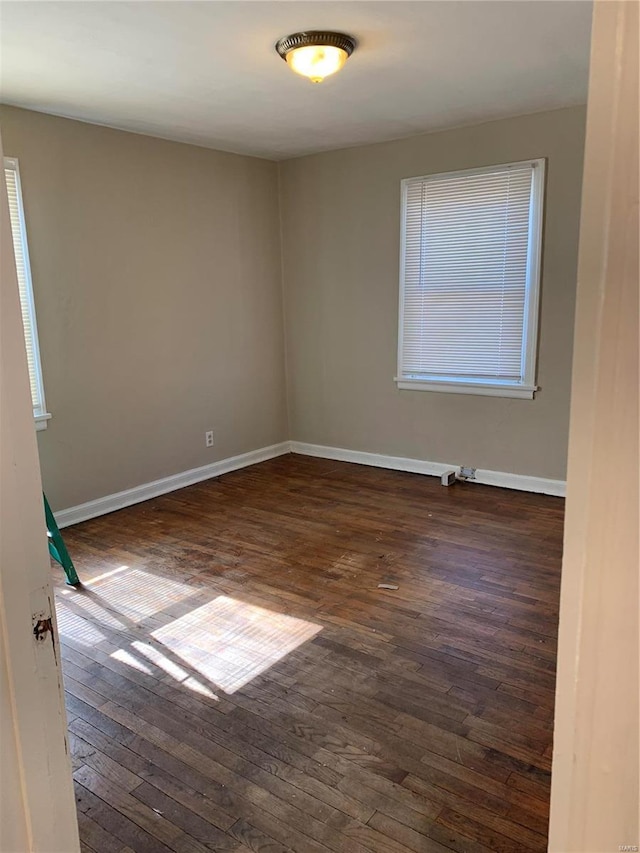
37, 808
594, 791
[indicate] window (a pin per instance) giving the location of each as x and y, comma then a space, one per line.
19, 233
469, 280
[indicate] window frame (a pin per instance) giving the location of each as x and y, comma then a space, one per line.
526, 388
40, 413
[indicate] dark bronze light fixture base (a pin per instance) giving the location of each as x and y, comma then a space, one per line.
315, 38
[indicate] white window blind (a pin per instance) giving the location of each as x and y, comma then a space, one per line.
19, 234
469, 279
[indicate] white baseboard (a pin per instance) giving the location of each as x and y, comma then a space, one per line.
119, 500
521, 482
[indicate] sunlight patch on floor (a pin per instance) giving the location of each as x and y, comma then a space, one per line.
127, 658
158, 660
74, 627
221, 644
230, 642
92, 609
110, 573
137, 594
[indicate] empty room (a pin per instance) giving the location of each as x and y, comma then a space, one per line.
319, 426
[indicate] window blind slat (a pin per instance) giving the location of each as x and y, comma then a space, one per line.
464, 286
16, 216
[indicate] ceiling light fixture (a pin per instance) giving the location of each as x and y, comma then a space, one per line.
317, 53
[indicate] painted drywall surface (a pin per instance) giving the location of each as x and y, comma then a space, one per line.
341, 224
156, 272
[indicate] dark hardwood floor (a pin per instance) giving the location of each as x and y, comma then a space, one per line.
237, 681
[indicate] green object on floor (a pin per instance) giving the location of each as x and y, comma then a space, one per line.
57, 548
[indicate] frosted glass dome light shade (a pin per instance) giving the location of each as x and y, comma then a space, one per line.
316, 54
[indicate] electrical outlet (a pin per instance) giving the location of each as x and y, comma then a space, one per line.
467, 473
208, 438
448, 478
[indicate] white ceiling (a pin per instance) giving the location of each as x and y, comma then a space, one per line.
207, 73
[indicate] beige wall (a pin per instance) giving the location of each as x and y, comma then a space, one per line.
156, 271
341, 214
158, 290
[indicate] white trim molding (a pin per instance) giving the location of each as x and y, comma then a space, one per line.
482, 389
417, 371
520, 482
119, 500
146, 491
41, 421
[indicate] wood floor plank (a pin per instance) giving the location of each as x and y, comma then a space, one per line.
253, 839
94, 837
115, 823
164, 832
420, 841
189, 821
237, 681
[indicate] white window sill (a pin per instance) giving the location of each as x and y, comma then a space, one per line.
41, 421
483, 389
